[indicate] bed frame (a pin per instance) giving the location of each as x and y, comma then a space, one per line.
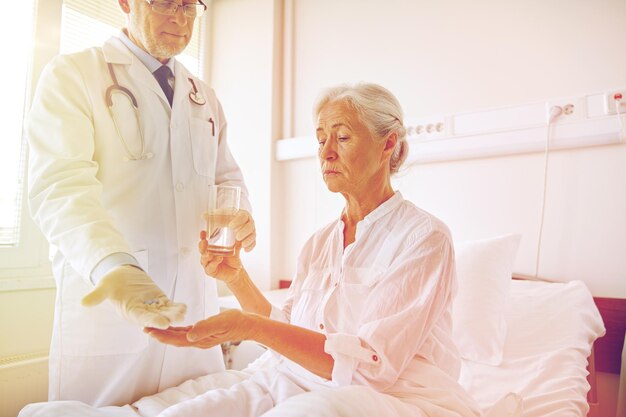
606, 355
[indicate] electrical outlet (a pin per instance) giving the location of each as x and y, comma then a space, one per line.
610, 102
430, 128
570, 109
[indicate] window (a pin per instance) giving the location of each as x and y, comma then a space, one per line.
23, 251
87, 23
12, 156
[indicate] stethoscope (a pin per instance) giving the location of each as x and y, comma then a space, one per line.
116, 88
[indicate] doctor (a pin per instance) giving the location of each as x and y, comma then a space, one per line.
124, 142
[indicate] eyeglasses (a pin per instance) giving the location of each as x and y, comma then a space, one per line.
170, 8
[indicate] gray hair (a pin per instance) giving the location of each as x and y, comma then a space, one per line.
377, 108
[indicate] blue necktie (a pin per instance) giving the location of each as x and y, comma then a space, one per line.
162, 74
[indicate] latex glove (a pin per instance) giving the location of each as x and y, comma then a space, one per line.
136, 298
224, 268
228, 326
245, 230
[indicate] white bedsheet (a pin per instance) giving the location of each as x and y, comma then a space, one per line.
188, 400
551, 328
550, 378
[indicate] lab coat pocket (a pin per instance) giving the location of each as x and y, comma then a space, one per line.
203, 146
93, 331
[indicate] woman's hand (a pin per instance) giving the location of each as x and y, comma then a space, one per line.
224, 268
228, 326
176, 336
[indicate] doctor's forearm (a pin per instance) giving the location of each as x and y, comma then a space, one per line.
303, 346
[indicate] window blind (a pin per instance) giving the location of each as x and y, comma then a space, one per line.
12, 157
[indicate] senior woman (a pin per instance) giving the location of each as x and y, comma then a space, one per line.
366, 328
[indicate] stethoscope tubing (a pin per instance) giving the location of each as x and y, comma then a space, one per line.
116, 88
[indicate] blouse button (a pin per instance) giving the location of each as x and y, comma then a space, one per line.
321, 326
375, 358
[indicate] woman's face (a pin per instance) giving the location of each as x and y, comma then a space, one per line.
351, 159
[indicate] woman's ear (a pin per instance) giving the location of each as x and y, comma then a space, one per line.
390, 142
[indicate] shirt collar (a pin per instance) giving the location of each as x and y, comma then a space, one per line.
380, 211
383, 209
148, 60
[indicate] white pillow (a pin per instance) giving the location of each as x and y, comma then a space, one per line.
484, 269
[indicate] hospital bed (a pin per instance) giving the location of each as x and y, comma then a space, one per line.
547, 357
527, 345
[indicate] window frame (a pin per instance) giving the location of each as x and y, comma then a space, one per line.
27, 265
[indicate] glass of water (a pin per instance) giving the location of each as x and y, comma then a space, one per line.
222, 207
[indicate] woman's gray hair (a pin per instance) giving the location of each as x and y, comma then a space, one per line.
377, 108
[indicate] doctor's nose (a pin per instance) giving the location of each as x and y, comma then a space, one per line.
179, 17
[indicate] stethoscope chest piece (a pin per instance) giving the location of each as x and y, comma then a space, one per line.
194, 96
197, 98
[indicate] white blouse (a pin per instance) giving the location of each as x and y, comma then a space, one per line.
384, 303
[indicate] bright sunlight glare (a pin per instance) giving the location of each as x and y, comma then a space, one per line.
16, 34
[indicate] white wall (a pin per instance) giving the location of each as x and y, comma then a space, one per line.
453, 56
241, 72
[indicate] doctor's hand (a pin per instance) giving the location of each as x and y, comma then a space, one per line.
136, 298
228, 326
224, 268
245, 230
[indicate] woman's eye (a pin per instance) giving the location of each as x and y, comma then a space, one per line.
343, 138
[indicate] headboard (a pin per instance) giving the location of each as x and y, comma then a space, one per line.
606, 355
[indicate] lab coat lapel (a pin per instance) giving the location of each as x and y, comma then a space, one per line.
181, 86
139, 73
115, 52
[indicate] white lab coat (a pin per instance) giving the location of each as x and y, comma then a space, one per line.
90, 202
